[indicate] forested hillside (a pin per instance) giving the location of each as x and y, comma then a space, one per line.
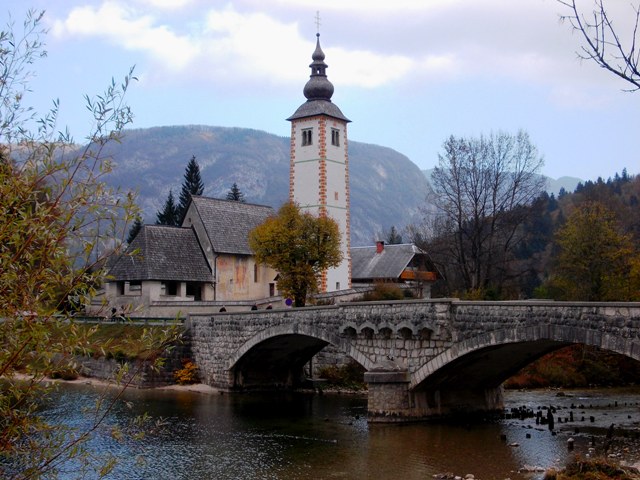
583, 245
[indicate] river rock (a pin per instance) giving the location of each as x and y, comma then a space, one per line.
444, 476
529, 469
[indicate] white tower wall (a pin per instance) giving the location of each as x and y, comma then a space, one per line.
319, 172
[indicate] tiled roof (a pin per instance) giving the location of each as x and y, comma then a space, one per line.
163, 253
367, 264
228, 222
311, 108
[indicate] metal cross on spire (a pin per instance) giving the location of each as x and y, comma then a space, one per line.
318, 21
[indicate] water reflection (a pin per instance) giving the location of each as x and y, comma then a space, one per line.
321, 437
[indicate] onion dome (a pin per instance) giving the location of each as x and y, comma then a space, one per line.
318, 90
318, 87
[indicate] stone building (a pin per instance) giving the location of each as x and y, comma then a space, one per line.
178, 270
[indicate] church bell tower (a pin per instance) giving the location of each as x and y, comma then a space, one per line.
319, 171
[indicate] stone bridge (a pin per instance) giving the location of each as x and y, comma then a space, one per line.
424, 358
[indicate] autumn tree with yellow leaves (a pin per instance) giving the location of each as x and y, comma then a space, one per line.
299, 246
596, 260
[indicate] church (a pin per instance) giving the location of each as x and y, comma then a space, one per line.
319, 172
206, 262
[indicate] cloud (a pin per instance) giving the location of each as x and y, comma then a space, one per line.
367, 7
384, 43
251, 45
365, 68
232, 46
258, 45
125, 27
166, 4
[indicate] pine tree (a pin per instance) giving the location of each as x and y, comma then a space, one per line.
393, 237
170, 214
134, 230
235, 194
192, 185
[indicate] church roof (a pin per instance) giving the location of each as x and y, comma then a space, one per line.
160, 252
311, 108
318, 90
229, 222
367, 263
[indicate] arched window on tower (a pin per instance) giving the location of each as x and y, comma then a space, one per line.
307, 137
335, 137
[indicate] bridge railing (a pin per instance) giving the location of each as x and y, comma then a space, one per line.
151, 321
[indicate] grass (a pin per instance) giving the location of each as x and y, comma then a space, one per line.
121, 341
592, 469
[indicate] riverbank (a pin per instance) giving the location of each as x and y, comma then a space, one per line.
98, 382
588, 424
199, 388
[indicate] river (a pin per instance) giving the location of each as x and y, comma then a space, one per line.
303, 436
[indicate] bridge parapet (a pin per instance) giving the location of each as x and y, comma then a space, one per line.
472, 319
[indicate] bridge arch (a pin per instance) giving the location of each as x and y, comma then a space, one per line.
407, 325
526, 343
367, 325
349, 329
342, 344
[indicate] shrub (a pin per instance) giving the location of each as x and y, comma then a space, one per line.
383, 291
188, 374
67, 373
577, 366
592, 469
408, 293
349, 376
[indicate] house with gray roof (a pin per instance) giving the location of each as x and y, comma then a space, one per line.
207, 260
404, 263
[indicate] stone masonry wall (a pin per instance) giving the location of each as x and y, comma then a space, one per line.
415, 332
141, 373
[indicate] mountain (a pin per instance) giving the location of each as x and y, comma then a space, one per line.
386, 188
568, 183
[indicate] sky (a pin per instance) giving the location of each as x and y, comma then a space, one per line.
408, 73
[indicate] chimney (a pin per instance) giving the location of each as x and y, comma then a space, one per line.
379, 246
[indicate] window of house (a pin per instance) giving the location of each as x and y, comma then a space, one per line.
170, 288
336, 196
135, 287
335, 137
194, 289
255, 273
307, 137
272, 289
120, 287
337, 285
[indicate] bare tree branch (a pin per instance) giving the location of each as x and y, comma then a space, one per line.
602, 41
